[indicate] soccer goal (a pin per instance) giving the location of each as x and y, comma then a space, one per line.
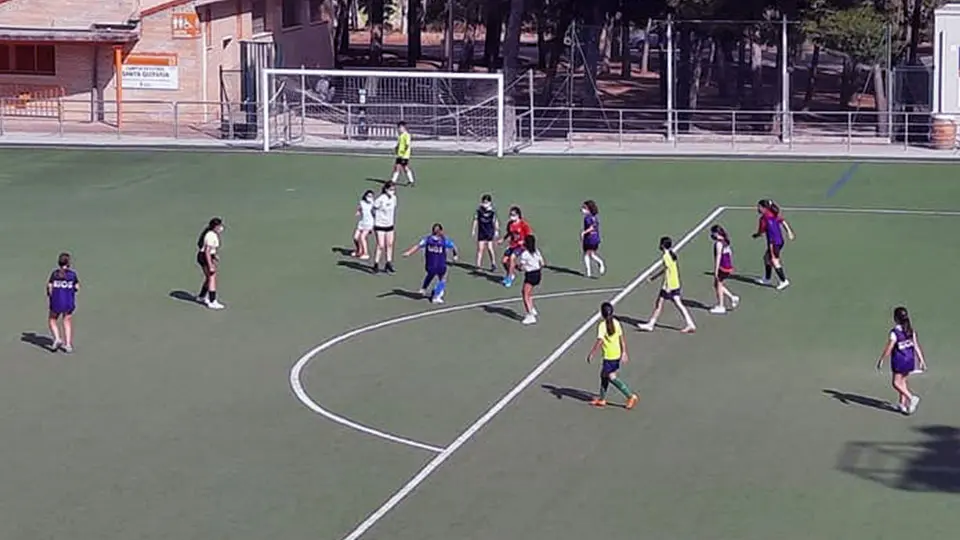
360, 109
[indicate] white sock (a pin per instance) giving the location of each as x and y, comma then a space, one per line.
410, 175
596, 258
686, 314
587, 265
396, 174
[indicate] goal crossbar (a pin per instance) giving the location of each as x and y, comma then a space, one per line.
267, 74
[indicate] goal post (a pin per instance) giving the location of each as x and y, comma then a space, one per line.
360, 109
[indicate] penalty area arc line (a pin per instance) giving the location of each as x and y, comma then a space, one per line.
855, 210
296, 372
507, 398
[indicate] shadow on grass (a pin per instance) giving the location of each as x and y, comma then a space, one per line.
354, 265
930, 464
183, 296
380, 181
864, 401
696, 304
43, 342
634, 322
503, 312
562, 392
403, 293
563, 270
342, 250
743, 278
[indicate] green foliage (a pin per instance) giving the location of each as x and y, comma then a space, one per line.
859, 32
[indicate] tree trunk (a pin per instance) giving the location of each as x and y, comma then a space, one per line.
626, 69
683, 76
743, 71
414, 29
541, 38
725, 76
591, 56
756, 72
880, 94
555, 54
511, 44
405, 6
916, 23
605, 45
491, 43
711, 60
697, 48
469, 43
376, 32
811, 78
847, 81
645, 55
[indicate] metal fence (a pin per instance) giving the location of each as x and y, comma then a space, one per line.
573, 126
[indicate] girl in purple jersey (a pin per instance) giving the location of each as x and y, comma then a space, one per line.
772, 225
590, 237
62, 290
722, 269
905, 357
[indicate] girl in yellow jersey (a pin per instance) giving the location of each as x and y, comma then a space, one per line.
670, 289
610, 340
402, 163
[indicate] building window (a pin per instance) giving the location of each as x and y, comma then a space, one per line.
28, 59
316, 10
291, 13
258, 12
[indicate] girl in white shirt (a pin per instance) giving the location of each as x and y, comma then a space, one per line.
364, 226
531, 262
384, 222
208, 244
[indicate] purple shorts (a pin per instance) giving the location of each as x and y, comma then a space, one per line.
610, 366
669, 295
901, 366
773, 250
590, 244
61, 308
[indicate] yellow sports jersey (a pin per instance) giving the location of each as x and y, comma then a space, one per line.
671, 272
610, 342
403, 146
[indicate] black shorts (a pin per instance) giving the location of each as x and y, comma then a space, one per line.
722, 275
669, 295
388, 228
589, 245
773, 250
403, 162
202, 259
485, 235
532, 277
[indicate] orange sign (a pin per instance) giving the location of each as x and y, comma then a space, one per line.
151, 59
185, 25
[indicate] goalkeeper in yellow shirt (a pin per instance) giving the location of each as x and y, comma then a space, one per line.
402, 163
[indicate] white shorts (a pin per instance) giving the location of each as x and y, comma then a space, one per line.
365, 226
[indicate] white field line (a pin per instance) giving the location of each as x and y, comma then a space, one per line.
502, 403
874, 211
296, 372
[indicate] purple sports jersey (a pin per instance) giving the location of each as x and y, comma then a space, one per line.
435, 253
902, 357
593, 237
726, 257
771, 226
63, 290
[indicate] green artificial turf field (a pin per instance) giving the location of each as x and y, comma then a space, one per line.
172, 421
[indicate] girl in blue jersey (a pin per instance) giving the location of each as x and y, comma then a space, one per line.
486, 229
590, 238
62, 290
434, 246
772, 225
906, 356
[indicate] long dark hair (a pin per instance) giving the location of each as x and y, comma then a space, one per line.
666, 244
606, 311
591, 207
719, 233
530, 243
63, 263
516, 210
769, 205
901, 317
212, 225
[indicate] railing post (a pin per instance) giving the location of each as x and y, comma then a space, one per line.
569, 126
906, 131
849, 131
790, 144
348, 127
456, 114
620, 121
733, 130
60, 117
176, 119
530, 83
3, 106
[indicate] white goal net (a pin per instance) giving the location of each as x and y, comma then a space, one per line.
360, 109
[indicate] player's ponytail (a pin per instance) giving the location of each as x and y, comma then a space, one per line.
592, 207
212, 225
606, 311
530, 244
720, 234
901, 317
63, 263
666, 244
774, 208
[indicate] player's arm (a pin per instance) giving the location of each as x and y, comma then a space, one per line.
211, 260
359, 211
656, 275
717, 254
453, 248
761, 228
916, 345
789, 229
473, 228
625, 356
415, 248
887, 349
50, 285
593, 350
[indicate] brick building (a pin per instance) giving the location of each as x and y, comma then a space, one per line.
65, 57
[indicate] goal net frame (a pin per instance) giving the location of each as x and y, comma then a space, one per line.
266, 96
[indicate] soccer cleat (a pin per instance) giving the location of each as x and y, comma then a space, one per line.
603, 269
508, 281
734, 302
56, 345
632, 402
376, 268
914, 403
69, 349
762, 281
689, 330
493, 268
599, 402
364, 257
534, 312
388, 268
215, 305
718, 310
783, 285
201, 299
529, 319
422, 292
646, 327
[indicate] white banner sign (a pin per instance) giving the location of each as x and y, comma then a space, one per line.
150, 77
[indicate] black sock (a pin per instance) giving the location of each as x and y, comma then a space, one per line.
203, 291
781, 274
767, 270
604, 384
213, 296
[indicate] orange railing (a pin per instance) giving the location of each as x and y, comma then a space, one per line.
43, 101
